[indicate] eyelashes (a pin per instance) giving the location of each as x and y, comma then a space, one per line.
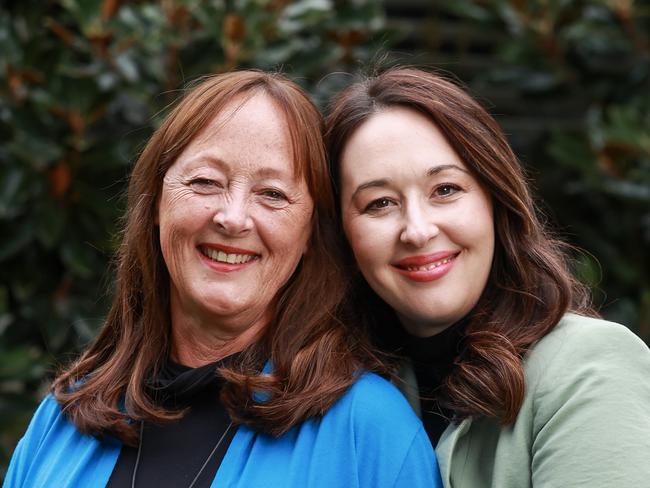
446, 190
440, 193
204, 184
274, 194
275, 198
378, 204
208, 186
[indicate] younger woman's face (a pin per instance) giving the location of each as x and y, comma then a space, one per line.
418, 222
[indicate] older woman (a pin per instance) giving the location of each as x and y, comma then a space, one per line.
224, 360
517, 386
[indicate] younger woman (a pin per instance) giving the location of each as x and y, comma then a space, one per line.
517, 385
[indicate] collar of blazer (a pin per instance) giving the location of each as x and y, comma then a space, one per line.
448, 443
447, 447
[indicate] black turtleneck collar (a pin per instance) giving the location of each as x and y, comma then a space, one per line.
179, 384
433, 359
437, 351
173, 453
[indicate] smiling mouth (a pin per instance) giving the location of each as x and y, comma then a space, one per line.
429, 266
425, 263
228, 258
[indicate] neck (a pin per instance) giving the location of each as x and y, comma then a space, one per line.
423, 328
200, 341
197, 347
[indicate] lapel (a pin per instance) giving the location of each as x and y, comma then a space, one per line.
409, 386
447, 447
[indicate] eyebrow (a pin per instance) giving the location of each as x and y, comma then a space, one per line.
268, 172
210, 160
439, 169
382, 182
265, 172
370, 184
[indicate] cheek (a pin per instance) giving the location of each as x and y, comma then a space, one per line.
174, 253
185, 212
287, 235
369, 243
353, 234
178, 227
471, 223
173, 226
478, 233
484, 223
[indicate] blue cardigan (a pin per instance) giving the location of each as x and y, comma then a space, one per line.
369, 438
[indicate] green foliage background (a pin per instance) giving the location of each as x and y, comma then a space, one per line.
84, 82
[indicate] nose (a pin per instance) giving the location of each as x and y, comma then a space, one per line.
419, 225
233, 216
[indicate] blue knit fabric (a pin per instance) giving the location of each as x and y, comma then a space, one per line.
369, 438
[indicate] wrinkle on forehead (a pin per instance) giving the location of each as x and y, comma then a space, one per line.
247, 123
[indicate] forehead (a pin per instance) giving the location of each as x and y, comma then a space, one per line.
396, 139
256, 118
249, 132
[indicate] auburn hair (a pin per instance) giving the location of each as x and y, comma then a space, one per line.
529, 287
314, 356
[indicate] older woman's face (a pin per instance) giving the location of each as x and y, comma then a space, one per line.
419, 223
234, 219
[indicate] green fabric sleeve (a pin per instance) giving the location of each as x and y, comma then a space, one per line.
591, 426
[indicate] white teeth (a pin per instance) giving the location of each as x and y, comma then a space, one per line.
223, 257
430, 266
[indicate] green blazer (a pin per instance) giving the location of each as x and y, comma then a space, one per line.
584, 421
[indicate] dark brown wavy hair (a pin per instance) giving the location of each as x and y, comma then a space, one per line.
530, 286
314, 355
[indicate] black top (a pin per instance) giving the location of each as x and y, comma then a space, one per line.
433, 358
172, 454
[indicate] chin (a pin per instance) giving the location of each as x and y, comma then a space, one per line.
226, 309
428, 322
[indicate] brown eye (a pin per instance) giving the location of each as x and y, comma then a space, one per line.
204, 184
274, 195
274, 198
446, 190
379, 204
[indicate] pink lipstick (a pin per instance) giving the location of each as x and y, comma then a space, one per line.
426, 267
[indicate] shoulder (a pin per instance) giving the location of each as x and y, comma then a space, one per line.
376, 412
590, 363
43, 422
591, 330
46, 416
369, 437
585, 416
47, 424
373, 400
49, 453
390, 443
585, 341
379, 416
